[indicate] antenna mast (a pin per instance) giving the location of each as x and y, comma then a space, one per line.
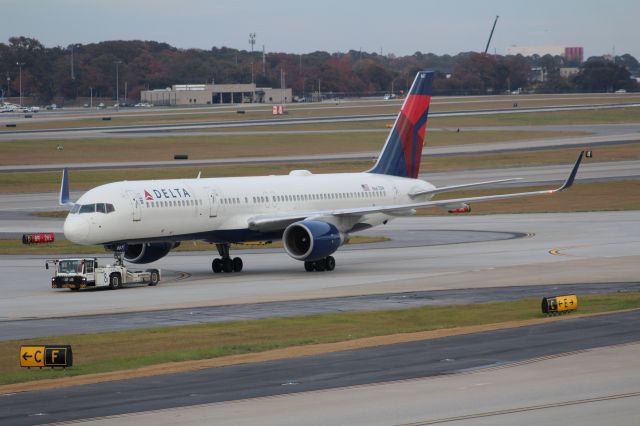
491, 34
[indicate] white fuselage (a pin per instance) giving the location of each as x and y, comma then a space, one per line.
220, 209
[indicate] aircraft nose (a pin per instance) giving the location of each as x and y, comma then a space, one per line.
76, 229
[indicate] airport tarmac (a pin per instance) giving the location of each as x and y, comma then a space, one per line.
63, 326
594, 387
509, 376
564, 248
522, 376
67, 114
146, 129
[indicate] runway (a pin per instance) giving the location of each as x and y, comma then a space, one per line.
499, 373
599, 247
342, 104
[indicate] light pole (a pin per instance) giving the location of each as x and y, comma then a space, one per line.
252, 41
90, 97
20, 64
8, 86
117, 85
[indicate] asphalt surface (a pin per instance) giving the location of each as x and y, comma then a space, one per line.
592, 387
404, 361
31, 328
426, 253
342, 104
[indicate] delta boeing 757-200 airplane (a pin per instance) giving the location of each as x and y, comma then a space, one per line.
312, 214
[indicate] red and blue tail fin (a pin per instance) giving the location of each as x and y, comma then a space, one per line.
403, 150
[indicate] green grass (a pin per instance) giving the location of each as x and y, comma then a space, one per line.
582, 197
232, 146
64, 247
604, 116
104, 352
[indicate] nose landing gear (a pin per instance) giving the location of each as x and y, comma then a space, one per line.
225, 263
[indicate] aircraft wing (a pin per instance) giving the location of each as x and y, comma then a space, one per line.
457, 187
274, 222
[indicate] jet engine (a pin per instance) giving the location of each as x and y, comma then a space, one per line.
311, 240
148, 252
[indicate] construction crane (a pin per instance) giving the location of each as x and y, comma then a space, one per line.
491, 34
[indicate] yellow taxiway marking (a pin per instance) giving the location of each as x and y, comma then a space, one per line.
558, 251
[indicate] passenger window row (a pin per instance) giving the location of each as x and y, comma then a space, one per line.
174, 203
319, 197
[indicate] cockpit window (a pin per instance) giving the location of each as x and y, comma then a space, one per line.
87, 208
92, 208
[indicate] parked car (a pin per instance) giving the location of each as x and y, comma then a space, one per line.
101, 105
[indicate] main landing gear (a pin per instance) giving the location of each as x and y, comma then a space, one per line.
225, 263
326, 264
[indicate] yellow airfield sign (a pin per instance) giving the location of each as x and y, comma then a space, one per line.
46, 356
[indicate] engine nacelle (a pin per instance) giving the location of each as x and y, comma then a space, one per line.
147, 252
311, 240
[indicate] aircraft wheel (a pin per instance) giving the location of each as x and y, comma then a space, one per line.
227, 265
320, 265
309, 266
237, 264
330, 263
216, 265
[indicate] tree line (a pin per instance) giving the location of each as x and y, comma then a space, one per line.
78, 70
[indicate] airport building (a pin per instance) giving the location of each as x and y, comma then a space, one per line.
215, 94
569, 53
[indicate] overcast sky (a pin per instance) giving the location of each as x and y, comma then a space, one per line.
298, 26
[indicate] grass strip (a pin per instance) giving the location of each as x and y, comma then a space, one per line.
582, 197
115, 351
233, 146
65, 247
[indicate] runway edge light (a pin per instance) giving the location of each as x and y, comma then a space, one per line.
559, 304
46, 356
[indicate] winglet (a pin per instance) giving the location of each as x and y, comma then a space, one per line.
572, 176
64, 189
